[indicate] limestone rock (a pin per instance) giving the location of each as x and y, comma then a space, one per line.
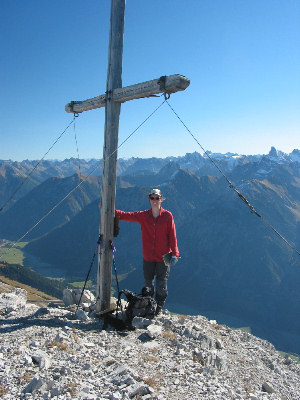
141, 323
72, 296
267, 387
42, 359
217, 359
80, 314
154, 330
14, 300
68, 297
50, 355
87, 296
35, 384
138, 389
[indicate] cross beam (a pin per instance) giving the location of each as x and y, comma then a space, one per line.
168, 84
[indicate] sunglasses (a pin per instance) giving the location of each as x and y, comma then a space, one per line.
154, 198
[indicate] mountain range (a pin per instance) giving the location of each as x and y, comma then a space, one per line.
12, 173
234, 266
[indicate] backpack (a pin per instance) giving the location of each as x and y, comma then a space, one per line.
139, 305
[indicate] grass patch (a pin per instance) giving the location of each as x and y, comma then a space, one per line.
12, 255
153, 382
147, 357
216, 326
7, 243
154, 351
294, 357
3, 390
72, 388
26, 378
33, 295
184, 316
60, 345
198, 360
20, 276
79, 285
169, 335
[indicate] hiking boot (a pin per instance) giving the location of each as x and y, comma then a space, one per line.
158, 310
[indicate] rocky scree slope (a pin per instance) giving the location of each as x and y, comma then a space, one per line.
51, 353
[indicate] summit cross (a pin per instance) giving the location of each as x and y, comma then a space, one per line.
111, 100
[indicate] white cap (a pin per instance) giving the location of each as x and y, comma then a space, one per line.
156, 191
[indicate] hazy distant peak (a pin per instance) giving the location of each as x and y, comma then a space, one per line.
295, 155
279, 155
273, 152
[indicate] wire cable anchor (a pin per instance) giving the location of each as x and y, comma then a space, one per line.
162, 85
240, 195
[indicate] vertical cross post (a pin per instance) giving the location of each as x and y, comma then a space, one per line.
111, 130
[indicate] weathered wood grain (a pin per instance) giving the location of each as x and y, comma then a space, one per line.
111, 131
173, 83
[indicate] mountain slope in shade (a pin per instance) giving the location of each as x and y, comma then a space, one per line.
26, 212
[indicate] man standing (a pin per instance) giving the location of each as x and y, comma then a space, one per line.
158, 238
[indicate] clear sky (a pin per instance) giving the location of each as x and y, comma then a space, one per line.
242, 57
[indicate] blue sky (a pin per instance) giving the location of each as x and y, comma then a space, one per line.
242, 57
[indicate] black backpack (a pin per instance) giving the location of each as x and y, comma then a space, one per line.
139, 305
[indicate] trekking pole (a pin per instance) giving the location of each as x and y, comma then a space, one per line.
113, 249
88, 274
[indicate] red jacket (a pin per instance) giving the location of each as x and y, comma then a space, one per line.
158, 234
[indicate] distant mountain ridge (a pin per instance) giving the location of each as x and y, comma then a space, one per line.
12, 173
191, 161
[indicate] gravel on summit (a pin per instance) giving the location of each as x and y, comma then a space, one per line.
46, 353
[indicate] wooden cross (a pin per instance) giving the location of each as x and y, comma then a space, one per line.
111, 100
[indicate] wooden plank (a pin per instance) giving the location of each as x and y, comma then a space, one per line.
101, 314
109, 173
172, 84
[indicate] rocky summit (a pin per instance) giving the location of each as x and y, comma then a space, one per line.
53, 353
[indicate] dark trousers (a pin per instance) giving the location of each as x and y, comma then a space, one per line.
154, 269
